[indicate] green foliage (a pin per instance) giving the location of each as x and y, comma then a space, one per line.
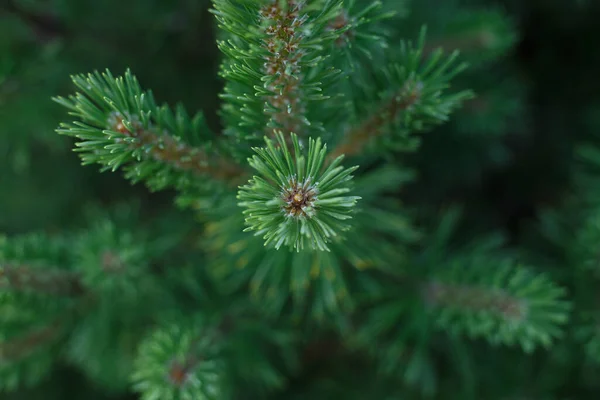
295, 200
274, 64
507, 306
31, 309
120, 124
80, 293
166, 369
286, 274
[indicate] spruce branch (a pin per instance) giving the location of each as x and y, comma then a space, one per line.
416, 102
295, 202
119, 124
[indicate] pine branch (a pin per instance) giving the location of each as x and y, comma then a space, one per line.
274, 69
119, 124
416, 103
317, 283
320, 289
295, 202
207, 358
167, 361
167, 149
30, 263
477, 291
284, 28
507, 305
278, 70
20, 347
357, 139
40, 280
29, 341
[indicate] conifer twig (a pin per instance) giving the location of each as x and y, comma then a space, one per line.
121, 124
50, 281
180, 370
476, 298
509, 305
299, 205
284, 32
165, 149
19, 347
374, 126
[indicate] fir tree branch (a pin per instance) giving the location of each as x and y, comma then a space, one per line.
49, 281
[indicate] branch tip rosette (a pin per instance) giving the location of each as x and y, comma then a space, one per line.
296, 200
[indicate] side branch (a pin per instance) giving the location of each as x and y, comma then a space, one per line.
119, 124
166, 149
506, 304
475, 299
25, 278
18, 348
357, 139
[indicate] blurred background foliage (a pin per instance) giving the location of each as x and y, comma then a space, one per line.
507, 155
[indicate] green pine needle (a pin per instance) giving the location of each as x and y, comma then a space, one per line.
294, 202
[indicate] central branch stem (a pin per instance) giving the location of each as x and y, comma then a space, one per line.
283, 28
